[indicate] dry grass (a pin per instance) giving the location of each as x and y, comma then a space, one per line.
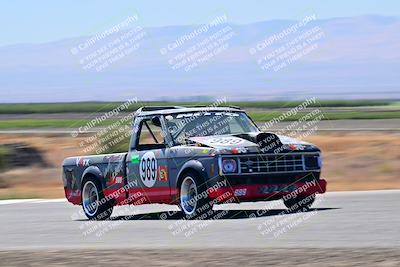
39, 182
352, 161
360, 161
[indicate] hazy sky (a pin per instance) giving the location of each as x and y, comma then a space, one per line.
49, 20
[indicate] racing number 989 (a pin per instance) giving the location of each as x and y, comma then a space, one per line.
148, 166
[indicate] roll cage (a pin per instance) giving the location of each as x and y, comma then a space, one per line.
156, 114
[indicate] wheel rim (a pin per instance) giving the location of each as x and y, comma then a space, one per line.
188, 195
90, 197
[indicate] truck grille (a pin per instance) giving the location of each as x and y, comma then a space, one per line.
276, 163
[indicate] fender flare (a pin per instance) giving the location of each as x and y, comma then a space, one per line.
95, 171
195, 166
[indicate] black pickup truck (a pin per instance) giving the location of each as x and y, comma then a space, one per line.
195, 157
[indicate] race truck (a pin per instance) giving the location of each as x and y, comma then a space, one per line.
195, 157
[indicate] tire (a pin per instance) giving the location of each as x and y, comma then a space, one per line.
299, 203
193, 197
94, 204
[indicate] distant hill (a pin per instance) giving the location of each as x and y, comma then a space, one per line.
357, 57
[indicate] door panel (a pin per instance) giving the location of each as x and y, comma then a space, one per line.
147, 163
148, 176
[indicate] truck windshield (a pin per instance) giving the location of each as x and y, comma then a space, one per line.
185, 125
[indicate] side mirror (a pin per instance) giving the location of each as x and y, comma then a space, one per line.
156, 121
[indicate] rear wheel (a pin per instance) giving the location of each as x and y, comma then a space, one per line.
94, 204
193, 197
299, 203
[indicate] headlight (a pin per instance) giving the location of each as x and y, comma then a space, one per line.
320, 161
229, 166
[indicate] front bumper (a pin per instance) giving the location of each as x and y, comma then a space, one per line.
267, 191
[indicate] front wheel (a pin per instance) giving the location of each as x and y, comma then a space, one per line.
193, 198
94, 204
299, 203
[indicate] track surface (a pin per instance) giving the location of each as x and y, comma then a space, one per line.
345, 220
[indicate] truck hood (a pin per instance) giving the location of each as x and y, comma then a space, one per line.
252, 142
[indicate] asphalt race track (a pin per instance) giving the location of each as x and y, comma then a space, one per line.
360, 224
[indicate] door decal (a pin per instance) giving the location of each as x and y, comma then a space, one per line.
148, 169
135, 159
163, 173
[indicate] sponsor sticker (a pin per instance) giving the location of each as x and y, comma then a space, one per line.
292, 146
135, 159
240, 192
117, 180
82, 162
301, 147
297, 147
163, 173
238, 150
